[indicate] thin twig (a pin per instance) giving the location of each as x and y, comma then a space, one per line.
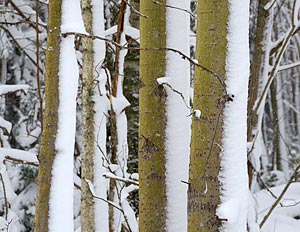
5, 197
280, 197
179, 93
38, 63
183, 56
21, 161
174, 7
274, 70
20, 12
125, 180
20, 47
135, 10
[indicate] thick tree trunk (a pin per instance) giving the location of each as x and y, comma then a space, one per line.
47, 150
152, 187
209, 95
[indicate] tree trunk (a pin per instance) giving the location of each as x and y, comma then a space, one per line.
152, 187
47, 150
87, 164
209, 95
276, 157
178, 128
258, 70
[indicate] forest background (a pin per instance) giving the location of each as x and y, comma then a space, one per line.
167, 115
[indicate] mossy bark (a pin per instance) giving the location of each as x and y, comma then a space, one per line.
87, 163
47, 150
209, 97
152, 188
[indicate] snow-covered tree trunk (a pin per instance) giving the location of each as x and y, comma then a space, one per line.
94, 213
54, 210
47, 150
209, 97
152, 187
100, 121
178, 127
218, 141
233, 176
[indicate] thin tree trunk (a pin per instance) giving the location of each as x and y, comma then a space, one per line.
101, 107
152, 187
276, 164
258, 70
209, 93
87, 164
47, 150
115, 214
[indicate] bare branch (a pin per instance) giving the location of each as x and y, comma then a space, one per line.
280, 196
5, 197
135, 10
174, 7
126, 180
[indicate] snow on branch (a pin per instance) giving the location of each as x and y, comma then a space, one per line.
119, 104
5, 126
288, 66
183, 56
4, 89
128, 222
297, 169
20, 156
165, 81
135, 10
291, 32
174, 7
126, 180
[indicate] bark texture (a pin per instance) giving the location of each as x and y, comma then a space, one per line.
257, 65
257, 69
152, 187
210, 98
47, 150
87, 164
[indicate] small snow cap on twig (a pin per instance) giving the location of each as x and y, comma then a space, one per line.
197, 114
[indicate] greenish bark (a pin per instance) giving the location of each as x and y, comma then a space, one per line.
152, 187
209, 97
87, 163
47, 150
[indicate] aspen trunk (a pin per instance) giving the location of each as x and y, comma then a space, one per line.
87, 164
209, 95
47, 150
152, 187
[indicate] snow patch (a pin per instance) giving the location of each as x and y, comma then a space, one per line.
71, 17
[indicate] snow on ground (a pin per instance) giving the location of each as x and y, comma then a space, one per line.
282, 218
